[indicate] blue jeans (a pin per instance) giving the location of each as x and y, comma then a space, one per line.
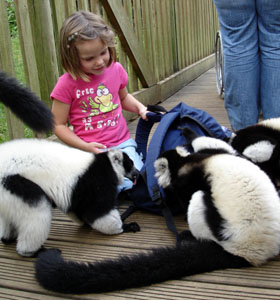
250, 32
129, 147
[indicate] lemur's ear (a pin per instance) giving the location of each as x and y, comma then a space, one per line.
162, 172
116, 156
182, 151
161, 164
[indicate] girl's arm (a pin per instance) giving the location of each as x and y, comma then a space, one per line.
131, 104
60, 111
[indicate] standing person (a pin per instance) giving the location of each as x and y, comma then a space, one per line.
92, 92
250, 31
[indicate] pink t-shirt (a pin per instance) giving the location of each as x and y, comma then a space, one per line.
95, 106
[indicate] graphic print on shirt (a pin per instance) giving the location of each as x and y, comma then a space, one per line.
104, 98
100, 105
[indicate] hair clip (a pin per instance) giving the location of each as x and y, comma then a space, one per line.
72, 36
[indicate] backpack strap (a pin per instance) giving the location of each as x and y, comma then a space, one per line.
144, 128
129, 211
142, 136
154, 151
170, 222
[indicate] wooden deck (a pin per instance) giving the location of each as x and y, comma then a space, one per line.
17, 273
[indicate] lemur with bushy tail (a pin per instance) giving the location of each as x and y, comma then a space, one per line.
233, 214
36, 175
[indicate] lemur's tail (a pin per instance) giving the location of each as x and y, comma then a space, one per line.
59, 275
25, 104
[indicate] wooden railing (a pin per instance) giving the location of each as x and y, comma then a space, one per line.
163, 44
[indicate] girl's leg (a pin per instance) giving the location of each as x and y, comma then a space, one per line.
238, 26
269, 43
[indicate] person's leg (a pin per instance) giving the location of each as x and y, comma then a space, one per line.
238, 26
269, 43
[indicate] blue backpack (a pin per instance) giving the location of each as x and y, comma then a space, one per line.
146, 194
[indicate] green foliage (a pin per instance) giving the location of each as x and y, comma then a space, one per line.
4, 135
19, 69
12, 18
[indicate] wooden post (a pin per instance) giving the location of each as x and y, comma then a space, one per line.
44, 45
27, 46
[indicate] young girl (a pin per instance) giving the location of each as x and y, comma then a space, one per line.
92, 92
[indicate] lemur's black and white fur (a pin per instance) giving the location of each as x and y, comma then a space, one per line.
233, 213
38, 174
261, 144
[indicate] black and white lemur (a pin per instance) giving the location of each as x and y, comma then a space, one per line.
233, 212
38, 174
261, 144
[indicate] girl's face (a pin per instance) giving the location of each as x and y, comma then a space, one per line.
94, 56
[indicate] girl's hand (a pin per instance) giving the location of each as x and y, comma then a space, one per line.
143, 113
96, 147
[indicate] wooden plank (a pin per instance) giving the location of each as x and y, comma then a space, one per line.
27, 46
133, 78
172, 36
95, 6
148, 31
177, 10
83, 4
137, 12
137, 9
160, 38
167, 9
45, 52
153, 28
191, 30
6, 57
120, 21
58, 16
183, 33
8, 294
70, 6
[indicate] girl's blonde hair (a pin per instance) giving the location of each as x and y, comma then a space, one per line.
83, 26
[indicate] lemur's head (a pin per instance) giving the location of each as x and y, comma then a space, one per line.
167, 165
122, 165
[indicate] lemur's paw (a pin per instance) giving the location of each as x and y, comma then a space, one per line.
131, 227
185, 237
8, 241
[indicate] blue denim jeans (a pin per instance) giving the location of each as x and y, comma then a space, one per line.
250, 32
129, 147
